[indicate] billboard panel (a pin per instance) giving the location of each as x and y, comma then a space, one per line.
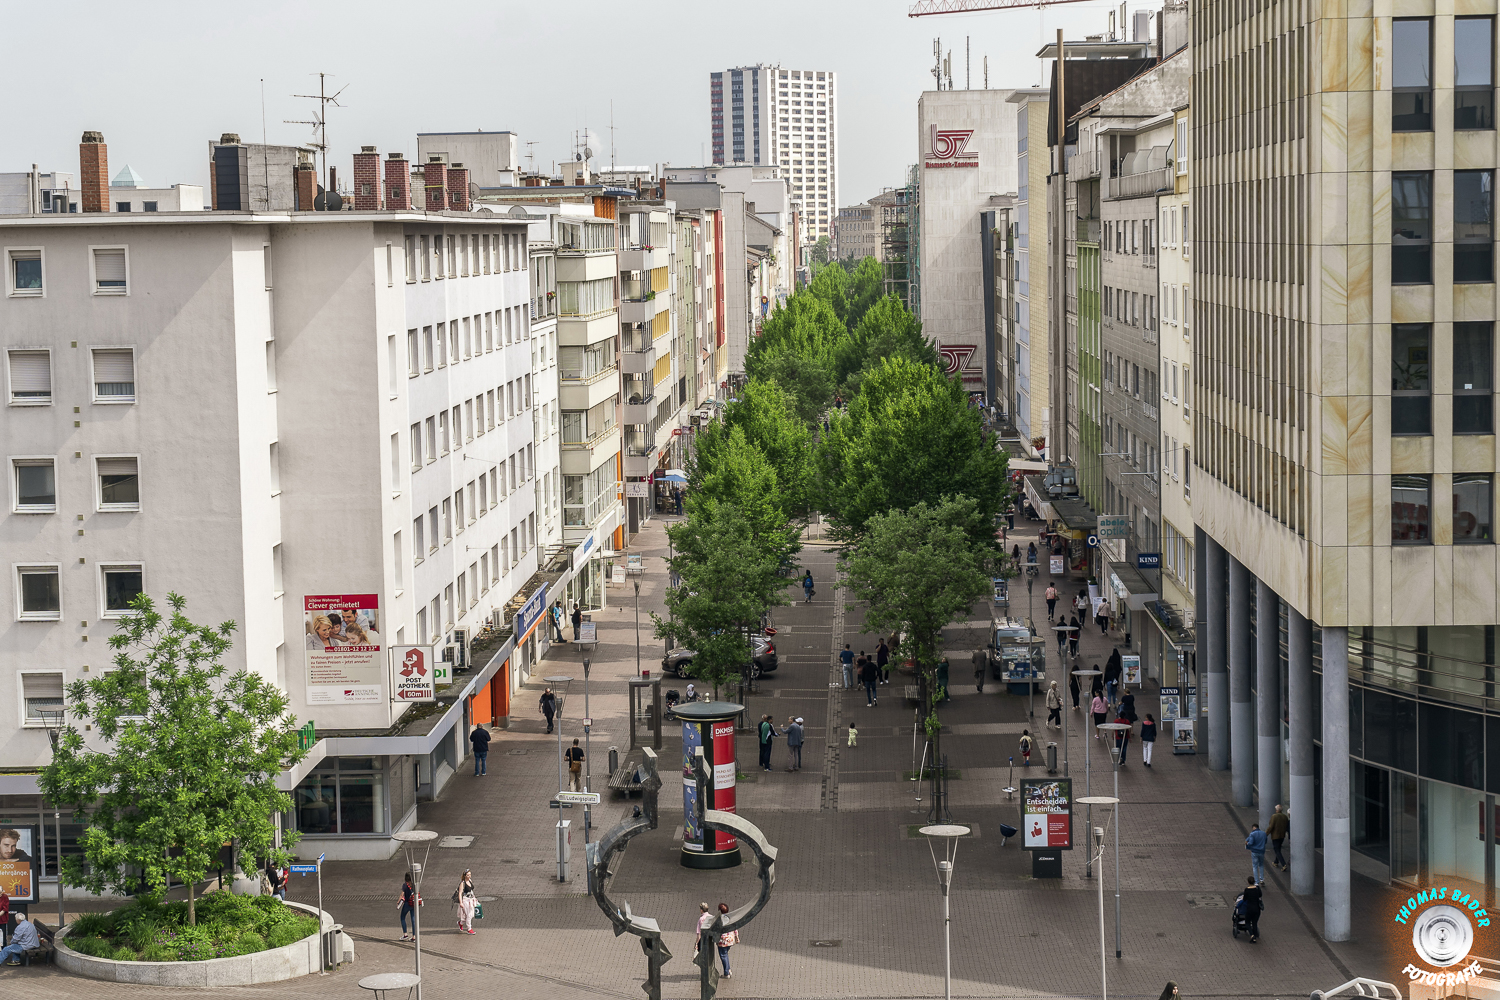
345, 665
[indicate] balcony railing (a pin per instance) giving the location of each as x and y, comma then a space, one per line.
1085, 164
588, 515
1088, 230
1147, 182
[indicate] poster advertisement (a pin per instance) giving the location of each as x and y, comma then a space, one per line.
415, 673
692, 739
1184, 740
345, 665
1057, 566
1047, 813
724, 766
1169, 705
1130, 664
1191, 711
17, 874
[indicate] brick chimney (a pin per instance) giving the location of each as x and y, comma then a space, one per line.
369, 193
307, 186
435, 178
93, 172
458, 188
397, 182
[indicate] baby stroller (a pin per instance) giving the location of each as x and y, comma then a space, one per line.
671, 698
1239, 916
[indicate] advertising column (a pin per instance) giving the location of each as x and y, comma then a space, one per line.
709, 725
1047, 823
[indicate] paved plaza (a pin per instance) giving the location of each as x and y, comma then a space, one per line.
856, 911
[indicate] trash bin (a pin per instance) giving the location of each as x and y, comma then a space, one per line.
1051, 757
614, 759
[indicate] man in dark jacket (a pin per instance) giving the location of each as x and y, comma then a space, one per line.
548, 706
1112, 671
480, 737
767, 730
794, 742
868, 675
577, 621
1276, 831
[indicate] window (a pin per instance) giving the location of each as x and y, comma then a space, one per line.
1472, 499
30, 377
114, 375
1182, 144
1411, 227
1411, 74
447, 520
443, 431
1473, 225
418, 542
1473, 382
432, 529
411, 259
148, 206
41, 696
122, 584
427, 348
458, 509
463, 594
36, 486
426, 261
39, 592
109, 270
413, 354
432, 451
122, 206
1473, 73
1411, 510
416, 447
1411, 378
119, 483
278, 587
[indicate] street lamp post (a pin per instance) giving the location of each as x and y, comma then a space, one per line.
588, 755
1114, 756
950, 834
564, 681
1088, 869
637, 582
54, 723
1096, 843
409, 841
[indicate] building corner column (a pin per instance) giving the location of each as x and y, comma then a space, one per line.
1336, 919
1267, 699
1241, 710
1302, 800
1216, 677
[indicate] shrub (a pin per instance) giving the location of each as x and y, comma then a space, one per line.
157, 952
95, 946
285, 933
123, 954
248, 943
92, 925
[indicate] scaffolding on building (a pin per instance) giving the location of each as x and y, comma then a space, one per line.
900, 253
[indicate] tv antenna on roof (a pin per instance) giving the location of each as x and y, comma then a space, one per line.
320, 123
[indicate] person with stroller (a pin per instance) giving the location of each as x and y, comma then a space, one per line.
1248, 908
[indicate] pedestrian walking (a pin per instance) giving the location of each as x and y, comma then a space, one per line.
555, 619
408, 907
1256, 845
1099, 708
547, 705
1101, 616
727, 940
1073, 688
807, 586
1254, 901
1148, 738
942, 678
1054, 705
1081, 605
1276, 831
1031, 558
464, 898
794, 743
273, 876
868, 675
705, 921
1168, 991
480, 738
846, 659
1073, 637
677, 499
1112, 670
1025, 748
577, 620
574, 757
1051, 596
853, 735
1062, 635
883, 661
767, 736
1127, 707
981, 660
1097, 687
1122, 739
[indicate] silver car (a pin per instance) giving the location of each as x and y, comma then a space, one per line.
679, 662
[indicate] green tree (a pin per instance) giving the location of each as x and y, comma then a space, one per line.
729, 581
918, 570
797, 349
886, 330
730, 471
189, 759
767, 413
866, 287
817, 256
909, 436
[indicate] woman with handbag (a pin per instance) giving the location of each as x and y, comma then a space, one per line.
464, 897
727, 940
408, 908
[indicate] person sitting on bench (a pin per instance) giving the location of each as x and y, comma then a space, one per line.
23, 940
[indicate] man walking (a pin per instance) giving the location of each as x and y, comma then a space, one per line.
1276, 831
577, 620
981, 661
883, 661
868, 675
794, 742
557, 620
807, 587
547, 704
480, 737
1054, 707
767, 735
1256, 845
846, 657
1051, 600
574, 755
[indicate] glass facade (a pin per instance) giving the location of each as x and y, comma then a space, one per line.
342, 796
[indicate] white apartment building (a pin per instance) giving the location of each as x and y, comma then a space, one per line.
129, 192
767, 115
280, 416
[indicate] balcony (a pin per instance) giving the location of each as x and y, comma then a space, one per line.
642, 310
640, 362
1088, 230
1085, 164
642, 411
643, 258
1139, 185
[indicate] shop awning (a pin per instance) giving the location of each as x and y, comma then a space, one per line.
1036, 493
1173, 626
1131, 587
1076, 514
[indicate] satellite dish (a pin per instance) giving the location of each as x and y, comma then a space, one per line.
578, 156
588, 154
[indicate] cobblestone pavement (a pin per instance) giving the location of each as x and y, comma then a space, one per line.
856, 911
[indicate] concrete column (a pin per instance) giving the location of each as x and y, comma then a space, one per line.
1241, 710
1267, 699
1299, 696
1214, 667
1335, 784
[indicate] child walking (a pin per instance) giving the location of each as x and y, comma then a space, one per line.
1026, 747
853, 735
1148, 738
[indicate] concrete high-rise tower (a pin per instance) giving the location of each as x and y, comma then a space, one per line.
768, 115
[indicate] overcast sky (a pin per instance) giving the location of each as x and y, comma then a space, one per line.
162, 78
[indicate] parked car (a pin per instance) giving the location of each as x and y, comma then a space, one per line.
679, 662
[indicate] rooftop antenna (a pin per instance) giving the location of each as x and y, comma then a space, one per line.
265, 142
320, 123
611, 134
937, 61
966, 62
530, 156
986, 72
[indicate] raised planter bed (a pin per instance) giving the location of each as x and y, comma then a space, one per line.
300, 958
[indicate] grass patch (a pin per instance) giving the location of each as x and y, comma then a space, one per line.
951, 774
149, 930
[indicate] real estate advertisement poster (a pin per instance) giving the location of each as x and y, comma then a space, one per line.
345, 664
1047, 813
18, 871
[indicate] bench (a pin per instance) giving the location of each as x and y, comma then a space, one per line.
624, 779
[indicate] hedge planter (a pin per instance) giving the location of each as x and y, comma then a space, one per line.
300, 958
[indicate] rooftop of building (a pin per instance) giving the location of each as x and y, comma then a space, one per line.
481, 216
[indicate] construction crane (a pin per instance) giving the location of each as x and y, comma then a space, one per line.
922, 8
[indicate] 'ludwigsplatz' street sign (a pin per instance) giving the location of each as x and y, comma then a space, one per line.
587, 798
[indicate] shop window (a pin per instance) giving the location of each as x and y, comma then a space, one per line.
346, 796
1452, 747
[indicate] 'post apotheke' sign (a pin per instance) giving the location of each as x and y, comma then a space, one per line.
949, 148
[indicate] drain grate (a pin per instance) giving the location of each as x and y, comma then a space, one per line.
456, 841
1206, 901
518, 753
827, 944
